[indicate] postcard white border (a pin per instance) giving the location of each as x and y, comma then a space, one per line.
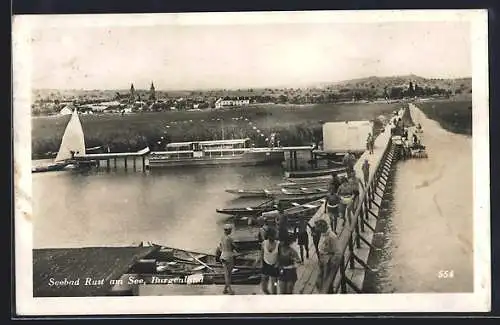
479, 301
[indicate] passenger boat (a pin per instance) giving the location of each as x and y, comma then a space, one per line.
277, 192
313, 173
214, 153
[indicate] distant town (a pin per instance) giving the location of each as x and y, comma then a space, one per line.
371, 89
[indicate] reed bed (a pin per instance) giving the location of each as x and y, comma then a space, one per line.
454, 116
295, 125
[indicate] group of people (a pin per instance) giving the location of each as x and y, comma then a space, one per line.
278, 259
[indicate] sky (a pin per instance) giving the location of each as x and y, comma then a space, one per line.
180, 56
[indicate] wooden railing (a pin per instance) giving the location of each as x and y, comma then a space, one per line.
334, 277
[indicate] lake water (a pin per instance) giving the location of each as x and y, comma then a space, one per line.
174, 207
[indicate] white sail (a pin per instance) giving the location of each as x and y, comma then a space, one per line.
72, 140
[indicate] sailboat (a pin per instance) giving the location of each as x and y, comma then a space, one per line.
72, 143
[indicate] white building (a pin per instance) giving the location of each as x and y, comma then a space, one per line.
227, 102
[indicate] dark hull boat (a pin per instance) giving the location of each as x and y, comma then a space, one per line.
313, 173
49, 168
277, 192
245, 212
301, 199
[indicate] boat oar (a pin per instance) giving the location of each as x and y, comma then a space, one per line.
204, 264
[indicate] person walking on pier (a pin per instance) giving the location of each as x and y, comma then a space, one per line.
366, 171
315, 233
369, 143
269, 262
355, 183
328, 247
261, 221
302, 238
332, 209
227, 249
349, 160
288, 260
334, 184
346, 195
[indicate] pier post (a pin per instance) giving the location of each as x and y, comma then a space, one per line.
134, 163
107, 164
98, 163
114, 162
295, 161
360, 218
351, 253
358, 240
343, 287
125, 162
143, 164
365, 208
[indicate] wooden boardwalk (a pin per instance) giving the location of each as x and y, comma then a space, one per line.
307, 273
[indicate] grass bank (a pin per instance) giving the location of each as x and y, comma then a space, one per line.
454, 116
295, 124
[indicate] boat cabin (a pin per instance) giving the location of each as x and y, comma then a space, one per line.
215, 148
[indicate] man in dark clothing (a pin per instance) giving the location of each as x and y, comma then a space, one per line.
334, 184
366, 171
349, 160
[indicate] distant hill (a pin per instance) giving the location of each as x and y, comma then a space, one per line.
379, 83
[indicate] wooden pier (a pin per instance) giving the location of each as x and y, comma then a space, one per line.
346, 270
107, 157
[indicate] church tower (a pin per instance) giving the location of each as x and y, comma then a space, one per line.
132, 93
152, 93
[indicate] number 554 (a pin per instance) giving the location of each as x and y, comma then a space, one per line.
445, 274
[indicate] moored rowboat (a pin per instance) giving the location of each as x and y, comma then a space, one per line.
278, 192
313, 173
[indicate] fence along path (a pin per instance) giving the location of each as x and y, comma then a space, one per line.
347, 269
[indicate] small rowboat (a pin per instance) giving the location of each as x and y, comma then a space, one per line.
249, 193
305, 210
313, 173
301, 198
309, 182
182, 262
278, 192
245, 212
